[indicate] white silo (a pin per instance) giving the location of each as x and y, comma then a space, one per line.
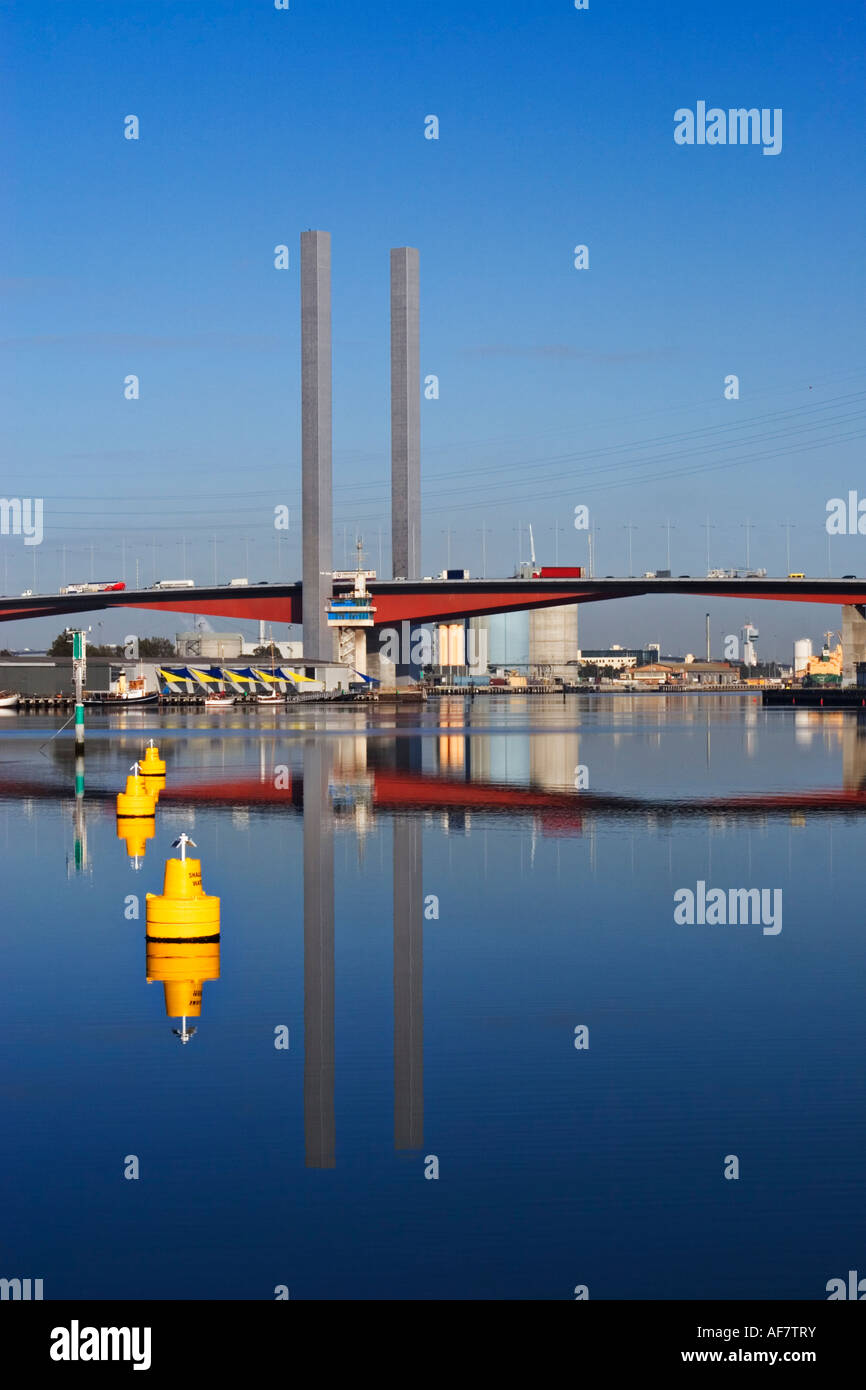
802, 655
553, 640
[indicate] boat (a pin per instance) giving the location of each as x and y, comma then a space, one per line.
107, 699
8, 699
220, 699
270, 697
122, 694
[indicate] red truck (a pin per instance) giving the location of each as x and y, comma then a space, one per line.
558, 572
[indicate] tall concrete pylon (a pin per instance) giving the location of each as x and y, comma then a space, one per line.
405, 415
316, 470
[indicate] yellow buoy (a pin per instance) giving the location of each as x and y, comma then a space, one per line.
152, 765
182, 969
136, 800
183, 903
136, 831
183, 937
154, 785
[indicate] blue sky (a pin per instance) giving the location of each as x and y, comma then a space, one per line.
557, 386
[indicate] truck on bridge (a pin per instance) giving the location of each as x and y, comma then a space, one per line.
558, 572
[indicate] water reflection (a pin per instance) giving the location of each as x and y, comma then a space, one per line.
319, 1042
333, 783
182, 938
323, 836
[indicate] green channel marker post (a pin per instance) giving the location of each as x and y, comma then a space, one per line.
79, 670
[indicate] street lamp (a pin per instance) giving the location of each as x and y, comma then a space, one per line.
629, 526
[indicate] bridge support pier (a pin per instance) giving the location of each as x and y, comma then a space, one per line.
853, 640
390, 654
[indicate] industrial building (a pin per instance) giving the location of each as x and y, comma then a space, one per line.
615, 657
687, 673
229, 646
52, 675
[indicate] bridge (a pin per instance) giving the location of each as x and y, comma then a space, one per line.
406, 597
431, 600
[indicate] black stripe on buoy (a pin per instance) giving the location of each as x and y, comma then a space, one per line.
183, 940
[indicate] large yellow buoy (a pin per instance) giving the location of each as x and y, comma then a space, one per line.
136, 800
183, 937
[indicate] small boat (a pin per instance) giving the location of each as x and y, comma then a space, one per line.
270, 697
220, 699
8, 699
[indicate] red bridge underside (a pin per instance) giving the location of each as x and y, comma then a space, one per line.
394, 608
417, 604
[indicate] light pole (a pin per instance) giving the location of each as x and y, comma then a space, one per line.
708, 527
629, 526
447, 533
787, 525
592, 536
483, 550
668, 526
747, 526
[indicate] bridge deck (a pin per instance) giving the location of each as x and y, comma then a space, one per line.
430, 600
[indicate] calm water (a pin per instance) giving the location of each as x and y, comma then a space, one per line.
431, 909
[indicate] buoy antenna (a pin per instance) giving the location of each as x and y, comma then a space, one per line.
181, 842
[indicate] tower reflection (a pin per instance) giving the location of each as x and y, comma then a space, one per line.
319, 970
319, 1045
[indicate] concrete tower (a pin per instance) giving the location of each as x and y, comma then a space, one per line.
316, 440
405, 415
553, 640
